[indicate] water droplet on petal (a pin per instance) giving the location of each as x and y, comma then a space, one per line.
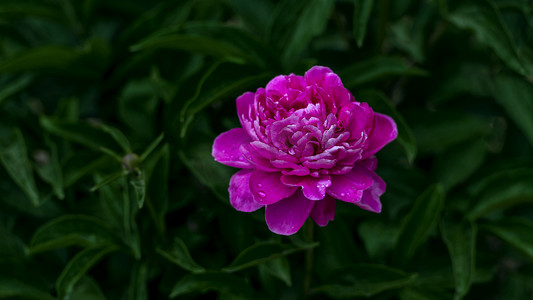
261, 194
259, 185
342, 194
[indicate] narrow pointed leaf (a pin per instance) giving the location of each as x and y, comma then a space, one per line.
14, 158
194, 44
460, 238
213, 281
138, 289
310, 22
70, 230
516, 97
418, 223
83, 133
15, 86
258, 254
138, 182
151, 147
108, 179
469, 156
489, 28
15, 289
377, 68
502, 192
517, 232
364, 280
362, 10
179, 254
279, 268
50, 170
77, 267
88, 289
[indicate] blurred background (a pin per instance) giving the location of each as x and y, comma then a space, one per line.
108, 111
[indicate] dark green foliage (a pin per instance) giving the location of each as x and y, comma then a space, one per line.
108, 110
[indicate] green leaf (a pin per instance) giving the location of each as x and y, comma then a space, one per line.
92, 136
364, 280
257, 13
49, 168
212, 174
516, 97
222, 81
40, 10
118, 136
138, 289
15, 86
179, 254
138, 101
65, 61
437, 132
151, 147
377, 237
419, 223
157, 172
15, 289
76, 269
517, 232
279, 268
14, 158
137, 181
193, 44
309, 23
380, 103
130, 207
82, 164
213, 281
377, 68
487, 24
459, 162
108, 179
361, 14
501, 191
45, 57
87, 289
337, 248
70, 230
424, 293
11, 246
460, 238
260, 253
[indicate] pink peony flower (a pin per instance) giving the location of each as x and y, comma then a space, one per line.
304, 143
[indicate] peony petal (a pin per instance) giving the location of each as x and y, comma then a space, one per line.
324, 211
349, 187
370, 163
314, 188
239, 192
287, 216
384, 132
256, 160
370, 200
267, 187
226, 148
246, 113
322, 76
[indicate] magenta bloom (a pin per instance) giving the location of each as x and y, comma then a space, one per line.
304, 143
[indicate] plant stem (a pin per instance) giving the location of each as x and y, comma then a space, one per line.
309, 236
